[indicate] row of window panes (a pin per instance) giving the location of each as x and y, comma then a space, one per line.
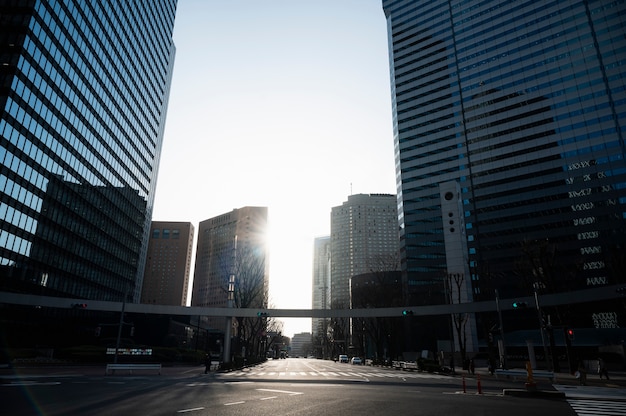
86, 110
109, 69
62, 108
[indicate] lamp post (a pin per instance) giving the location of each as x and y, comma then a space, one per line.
119, 329
230, 304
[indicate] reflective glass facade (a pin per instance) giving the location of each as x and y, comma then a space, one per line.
83, 92
523, 105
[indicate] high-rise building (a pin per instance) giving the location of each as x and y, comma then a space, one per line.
232, 261
321, 283
300, 344
168, 264
84, 89
509, 122
363, 238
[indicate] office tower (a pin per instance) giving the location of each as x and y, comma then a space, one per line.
515, 113
232, 261
83, 97
321, 283
168, 264
300, 344
363, 238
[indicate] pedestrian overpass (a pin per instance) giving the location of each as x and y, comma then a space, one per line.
581, 296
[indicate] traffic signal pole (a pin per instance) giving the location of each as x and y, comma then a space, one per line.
541, 328
503, 358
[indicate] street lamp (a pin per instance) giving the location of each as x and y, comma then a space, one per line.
230, 304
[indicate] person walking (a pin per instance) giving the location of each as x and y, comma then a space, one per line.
602, 370
207, 364
582, 373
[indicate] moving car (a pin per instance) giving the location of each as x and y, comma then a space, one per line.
343, 358
356, 360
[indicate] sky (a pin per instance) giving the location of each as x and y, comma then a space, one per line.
277, 103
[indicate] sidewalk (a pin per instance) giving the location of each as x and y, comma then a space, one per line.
43, 370
617, 379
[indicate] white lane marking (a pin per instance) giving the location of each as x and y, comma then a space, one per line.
291, 393
268, 398
195, 409
230, 404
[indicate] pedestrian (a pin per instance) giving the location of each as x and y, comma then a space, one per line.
602, 370
582, 373
472, 368
207, 363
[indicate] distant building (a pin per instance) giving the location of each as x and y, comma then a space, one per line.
321, 283
168, 264
377, 338
300, 343
232, 256
363, 238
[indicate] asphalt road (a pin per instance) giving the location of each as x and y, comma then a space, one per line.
277, 387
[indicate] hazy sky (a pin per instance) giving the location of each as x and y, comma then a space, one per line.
277, 103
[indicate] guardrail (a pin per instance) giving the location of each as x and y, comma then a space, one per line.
404, 365
130, 367
520, 373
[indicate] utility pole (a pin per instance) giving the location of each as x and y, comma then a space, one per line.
503, 359
119, 329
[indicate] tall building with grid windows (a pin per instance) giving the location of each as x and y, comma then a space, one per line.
168, 264
363, 238
84, 88
232, 262
321, 284
509, 121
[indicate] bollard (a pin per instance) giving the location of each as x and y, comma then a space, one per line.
480, 389
464, 391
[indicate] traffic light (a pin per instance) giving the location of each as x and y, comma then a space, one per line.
621, 290
570, 334
517, 305
261, 314
79, 305
407, 312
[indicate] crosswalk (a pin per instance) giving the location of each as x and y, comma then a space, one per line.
338, 374
586, 407
595, 400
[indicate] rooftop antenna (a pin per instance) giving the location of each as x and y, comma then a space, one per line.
350, 188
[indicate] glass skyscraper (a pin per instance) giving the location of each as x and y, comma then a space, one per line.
84, 89
518, 109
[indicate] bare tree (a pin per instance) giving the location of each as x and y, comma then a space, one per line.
247, 284
455, 283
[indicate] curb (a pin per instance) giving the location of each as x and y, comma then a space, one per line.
538, 394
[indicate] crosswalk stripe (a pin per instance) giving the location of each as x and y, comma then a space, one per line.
369, 374
597, 407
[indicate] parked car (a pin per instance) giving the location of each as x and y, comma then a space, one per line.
356, 360
343, 358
